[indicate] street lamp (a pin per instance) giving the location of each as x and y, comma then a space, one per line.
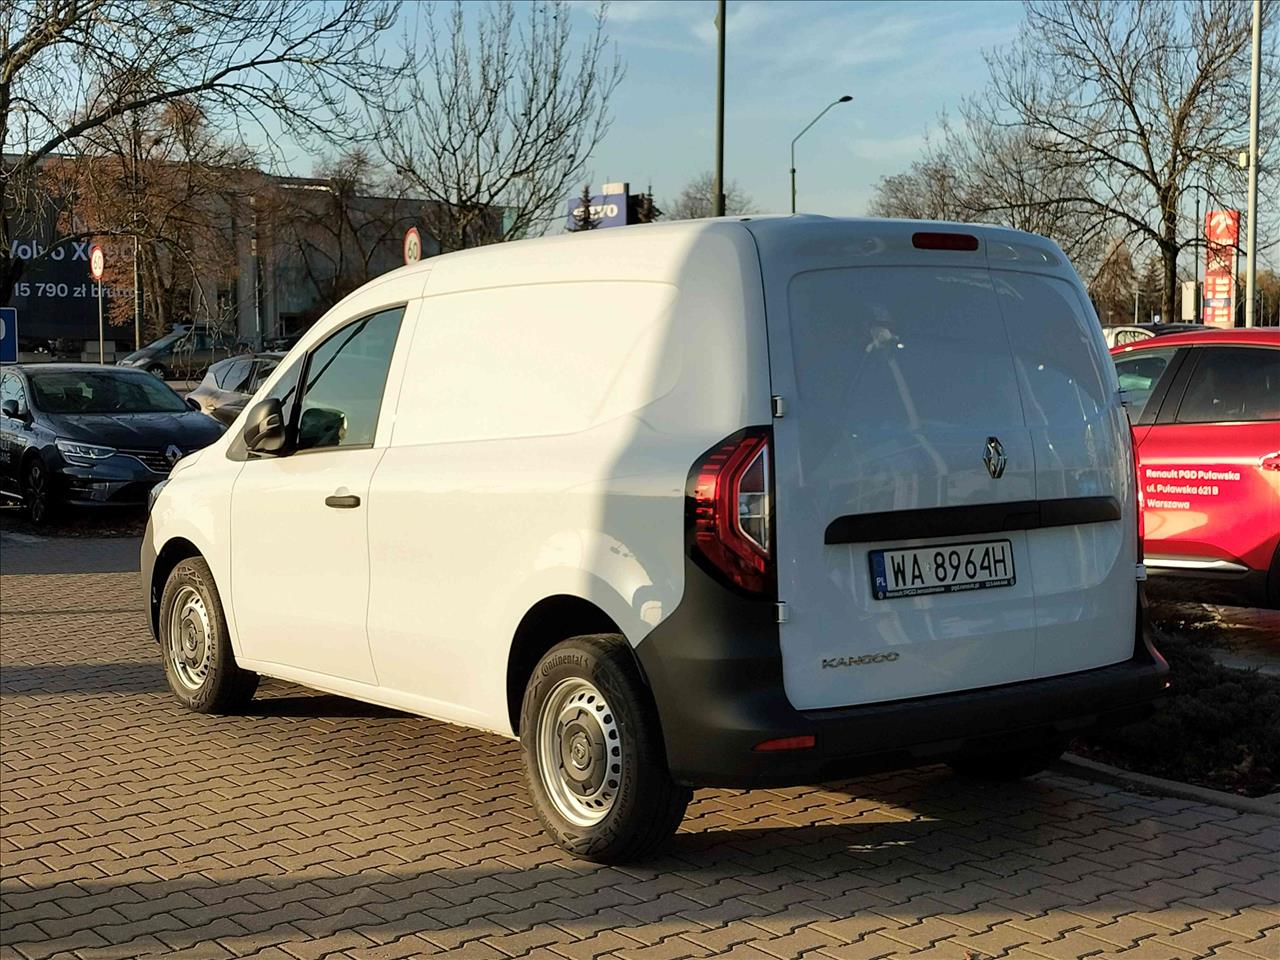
845, 99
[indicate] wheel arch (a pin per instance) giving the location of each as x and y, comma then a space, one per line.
175, 550
549, 621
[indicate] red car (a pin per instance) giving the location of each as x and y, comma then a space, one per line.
1205, 409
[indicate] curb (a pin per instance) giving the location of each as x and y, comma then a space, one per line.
1268, 806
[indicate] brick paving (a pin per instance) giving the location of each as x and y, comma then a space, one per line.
317, 827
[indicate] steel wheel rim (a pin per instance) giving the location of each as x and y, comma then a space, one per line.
579, 752
190, 638
36, 491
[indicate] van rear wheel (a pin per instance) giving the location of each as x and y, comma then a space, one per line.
1009, 765
593, 756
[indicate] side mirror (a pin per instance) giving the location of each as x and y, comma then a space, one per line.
264, 427
11, 409
193, 404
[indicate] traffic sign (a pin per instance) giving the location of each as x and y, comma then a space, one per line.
8, 334
97, 261
412, 245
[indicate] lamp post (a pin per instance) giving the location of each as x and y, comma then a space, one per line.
718, 188
845, 99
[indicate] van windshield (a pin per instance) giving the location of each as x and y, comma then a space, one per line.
93, 391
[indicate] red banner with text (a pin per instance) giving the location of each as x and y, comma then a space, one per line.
1222, 239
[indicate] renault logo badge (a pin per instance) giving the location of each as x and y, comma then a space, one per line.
994, 458
173, 453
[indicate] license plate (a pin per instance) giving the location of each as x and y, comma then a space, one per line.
948, 568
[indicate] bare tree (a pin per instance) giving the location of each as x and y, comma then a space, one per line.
161, 175
499, 118
1113, 285
341, 227
982, 172
931, 190
70, 67
1133, 104
697, 200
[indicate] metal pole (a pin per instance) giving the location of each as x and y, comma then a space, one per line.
1195, 253
793, 176
1135, 304
719, 184
137, 299
102, 346
1251, 264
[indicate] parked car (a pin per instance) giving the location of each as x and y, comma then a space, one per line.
88, 435
757, 501
1132, 333
1205, 409
228, 384
182, 354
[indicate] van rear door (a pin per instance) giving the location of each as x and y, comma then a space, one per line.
908, 500
1084, 554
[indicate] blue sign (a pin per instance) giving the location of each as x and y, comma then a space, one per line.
609, 210
8, 334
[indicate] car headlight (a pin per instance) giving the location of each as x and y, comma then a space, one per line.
153, 493
74, 450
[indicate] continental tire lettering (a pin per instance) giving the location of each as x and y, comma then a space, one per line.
573, 659
832, 663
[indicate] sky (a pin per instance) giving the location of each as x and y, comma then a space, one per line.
902, 62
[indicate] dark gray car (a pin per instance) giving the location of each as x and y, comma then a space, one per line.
91, 435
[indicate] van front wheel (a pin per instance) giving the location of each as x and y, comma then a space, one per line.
198, 661
593, 755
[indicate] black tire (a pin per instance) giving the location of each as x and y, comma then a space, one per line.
1011, 765
38, 498
646, 805
213, 685
158, 370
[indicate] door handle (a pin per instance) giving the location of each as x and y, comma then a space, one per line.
347, 501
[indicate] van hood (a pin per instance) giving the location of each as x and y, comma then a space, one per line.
138, 431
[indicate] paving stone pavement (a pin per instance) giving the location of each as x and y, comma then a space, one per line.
317, 827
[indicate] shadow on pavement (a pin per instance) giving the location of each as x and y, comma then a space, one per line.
53, 678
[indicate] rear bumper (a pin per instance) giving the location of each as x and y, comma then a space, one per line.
719, 693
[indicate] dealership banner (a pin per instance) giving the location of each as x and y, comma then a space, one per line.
1222, 239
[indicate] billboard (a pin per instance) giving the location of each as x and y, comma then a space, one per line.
1222, 239
608, 210
55, 294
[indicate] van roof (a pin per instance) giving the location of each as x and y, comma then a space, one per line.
775, 227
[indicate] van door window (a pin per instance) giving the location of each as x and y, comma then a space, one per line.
1139, 373
345, 377
1232, 385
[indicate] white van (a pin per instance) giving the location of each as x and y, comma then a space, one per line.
714, 503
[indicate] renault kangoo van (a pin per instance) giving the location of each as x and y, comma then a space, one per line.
717, 503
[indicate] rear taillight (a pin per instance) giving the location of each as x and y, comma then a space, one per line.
1137, 486
729, 512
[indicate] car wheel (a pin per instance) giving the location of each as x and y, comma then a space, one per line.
1010, 765
198, 660
158, 370
37, 493
593, 756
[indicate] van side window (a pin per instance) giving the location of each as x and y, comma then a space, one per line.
1233, 384
345, 378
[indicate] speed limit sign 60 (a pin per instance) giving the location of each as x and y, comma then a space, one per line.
97, 261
